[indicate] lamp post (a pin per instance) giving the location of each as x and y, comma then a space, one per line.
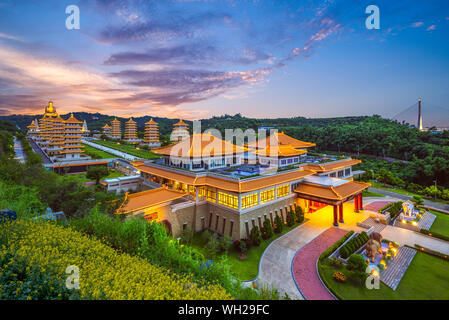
435, 188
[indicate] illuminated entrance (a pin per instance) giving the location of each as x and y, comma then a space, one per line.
319, 192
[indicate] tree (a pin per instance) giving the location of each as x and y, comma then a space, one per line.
97, 173
278, 225
418, 200
299, 214
255, 237
225, 243
212, 245
267, 229
356, 262
186, 235
290, 218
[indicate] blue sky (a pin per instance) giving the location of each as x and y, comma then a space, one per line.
195, 59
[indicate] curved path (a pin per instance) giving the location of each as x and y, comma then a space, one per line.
304, 265
275, 264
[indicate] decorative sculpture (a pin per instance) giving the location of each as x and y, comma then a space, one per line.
373, 246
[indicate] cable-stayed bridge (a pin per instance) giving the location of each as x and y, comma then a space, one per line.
432, 115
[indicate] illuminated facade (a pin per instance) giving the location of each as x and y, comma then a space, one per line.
60, 139
107, 130
152, 134
116, 129
131, 131
180, 131
85, 130
215, 190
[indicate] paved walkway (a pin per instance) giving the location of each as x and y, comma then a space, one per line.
405, 236
18, 150
275, 265
396, 269
376, 205
304, 265
115, 152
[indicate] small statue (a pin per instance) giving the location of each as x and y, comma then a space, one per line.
373, 246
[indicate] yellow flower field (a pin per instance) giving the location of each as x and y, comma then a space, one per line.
104, 273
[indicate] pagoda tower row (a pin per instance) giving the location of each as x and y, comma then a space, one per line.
151, 137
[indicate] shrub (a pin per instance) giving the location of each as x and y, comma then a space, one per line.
418, 200
225, 243
334, 247
299, 215
339, 276
212, 246
278, 225
186, 235
357, 277
335, 262
353, 245
105, 272
356, 262
290, 218
243, 247
255, 236
267, 230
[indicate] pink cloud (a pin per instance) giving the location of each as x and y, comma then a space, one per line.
432, 27
417, 24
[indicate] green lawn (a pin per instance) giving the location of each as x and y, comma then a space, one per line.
99, 154
112, 174
367, 193
128, 148
426, 278
243, 269
441, 223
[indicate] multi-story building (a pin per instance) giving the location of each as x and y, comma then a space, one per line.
152, 134
33, 129
203, 183
60, 139
180, 131
131, 131
85, 130
116, 129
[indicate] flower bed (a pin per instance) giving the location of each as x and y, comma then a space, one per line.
104, 272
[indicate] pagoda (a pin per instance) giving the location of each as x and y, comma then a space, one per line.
116, 130
131, 131
72, 145
107, 130
152, 134
180, 131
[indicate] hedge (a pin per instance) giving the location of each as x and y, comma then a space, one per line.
334, 247
354, 244
434, 234
432, 252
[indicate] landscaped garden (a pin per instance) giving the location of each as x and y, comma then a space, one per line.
82, 177
244, 256
96, 153
131, 149
426, 278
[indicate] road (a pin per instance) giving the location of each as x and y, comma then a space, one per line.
438, 205
18, 150
45, 158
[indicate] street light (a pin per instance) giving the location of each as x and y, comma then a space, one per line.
435, 189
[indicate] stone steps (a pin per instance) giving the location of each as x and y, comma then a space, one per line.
426, 221
370, 222
397, 267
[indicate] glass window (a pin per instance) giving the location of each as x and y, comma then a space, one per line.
267, 195
228, 200
250, 200
211, 195
282, 191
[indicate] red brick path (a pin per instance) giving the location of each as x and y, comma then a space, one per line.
376, 205
304, 264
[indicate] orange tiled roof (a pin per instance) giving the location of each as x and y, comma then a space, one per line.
106, 126
326, 167
280, 138
149, 198
229, 185
72, 119
332, 193
180, 123
279, 151
130, 121
151, 121
200, 145
115, 120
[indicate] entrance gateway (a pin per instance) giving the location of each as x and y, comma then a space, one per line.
317, 192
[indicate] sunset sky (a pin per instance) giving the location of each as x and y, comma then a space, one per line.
194, 59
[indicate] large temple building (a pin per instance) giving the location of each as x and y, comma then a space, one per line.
203, 182
59, 139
